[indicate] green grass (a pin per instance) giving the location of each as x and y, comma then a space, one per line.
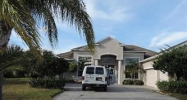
179, 96
19, 89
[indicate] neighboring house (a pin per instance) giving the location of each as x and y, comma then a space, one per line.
110, 53
151, 76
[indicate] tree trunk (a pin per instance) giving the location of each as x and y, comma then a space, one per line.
5, 32
1, 85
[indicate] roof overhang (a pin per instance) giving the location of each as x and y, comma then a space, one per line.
134, 51
149, 59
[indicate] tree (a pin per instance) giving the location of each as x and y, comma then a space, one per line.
8, 57
173, 61
133, 68
49, 67
24, 16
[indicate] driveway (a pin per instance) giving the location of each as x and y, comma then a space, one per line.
114, 92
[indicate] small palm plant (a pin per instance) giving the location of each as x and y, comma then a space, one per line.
133, 68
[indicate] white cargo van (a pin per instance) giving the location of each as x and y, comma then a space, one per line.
94, 76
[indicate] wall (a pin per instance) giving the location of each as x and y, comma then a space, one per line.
152, 76
108, 47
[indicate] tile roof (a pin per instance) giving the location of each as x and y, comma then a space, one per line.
67, 55
148, 53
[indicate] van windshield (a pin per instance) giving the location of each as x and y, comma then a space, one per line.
99, 71
90, 70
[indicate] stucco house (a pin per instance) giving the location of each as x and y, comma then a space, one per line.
110, 53
151, 76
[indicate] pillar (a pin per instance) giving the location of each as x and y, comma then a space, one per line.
119, 71
96, 62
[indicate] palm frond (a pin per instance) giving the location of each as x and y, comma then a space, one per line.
10, 56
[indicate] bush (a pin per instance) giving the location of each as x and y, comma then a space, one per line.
70, 81
133, 82
127, 82
47, 83
138, 82
173, 86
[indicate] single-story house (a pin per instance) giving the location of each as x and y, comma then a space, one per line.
151, 76
112, 54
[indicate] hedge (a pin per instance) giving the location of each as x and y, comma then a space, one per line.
173, 86
47, 83
133, 82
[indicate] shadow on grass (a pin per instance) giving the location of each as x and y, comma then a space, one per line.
16, 80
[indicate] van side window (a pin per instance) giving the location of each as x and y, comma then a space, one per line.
90, 70
99, 71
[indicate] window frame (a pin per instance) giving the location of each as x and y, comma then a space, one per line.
136, 74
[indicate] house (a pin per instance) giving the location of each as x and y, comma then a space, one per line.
110, 53
151, 76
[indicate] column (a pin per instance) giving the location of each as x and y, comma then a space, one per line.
119, 71
96, 62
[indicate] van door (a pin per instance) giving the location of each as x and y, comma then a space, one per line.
89, 76
100, 74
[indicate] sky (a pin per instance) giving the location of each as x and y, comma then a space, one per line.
151, 24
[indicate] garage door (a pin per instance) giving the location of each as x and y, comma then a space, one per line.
151, 77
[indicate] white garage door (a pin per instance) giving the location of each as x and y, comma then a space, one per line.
151, 78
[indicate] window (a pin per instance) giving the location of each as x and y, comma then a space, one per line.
99, 71
130, 70
90, 70
83, 61
130, 60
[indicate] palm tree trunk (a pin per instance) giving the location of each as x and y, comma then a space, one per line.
5, 32
1, 84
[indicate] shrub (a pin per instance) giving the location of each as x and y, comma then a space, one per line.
47, 83
138, 82
173, 86
133, 82
70, 81
127, 82
72, 67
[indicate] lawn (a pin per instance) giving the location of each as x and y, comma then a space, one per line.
179, 96
19, 89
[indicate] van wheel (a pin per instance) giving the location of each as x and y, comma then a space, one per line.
105, 88
83, 88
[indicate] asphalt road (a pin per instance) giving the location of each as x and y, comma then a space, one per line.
114, 92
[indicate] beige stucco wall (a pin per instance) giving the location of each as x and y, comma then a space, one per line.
70, 75
108, 47
152, 76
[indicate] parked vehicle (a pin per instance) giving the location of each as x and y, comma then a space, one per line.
94, 76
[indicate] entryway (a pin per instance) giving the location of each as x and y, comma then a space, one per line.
110, 69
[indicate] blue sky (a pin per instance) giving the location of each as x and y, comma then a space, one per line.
149, 24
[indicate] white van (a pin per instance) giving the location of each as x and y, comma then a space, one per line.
94, 76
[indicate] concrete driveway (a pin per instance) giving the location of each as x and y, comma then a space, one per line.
114, 92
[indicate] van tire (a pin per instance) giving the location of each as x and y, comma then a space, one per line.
105, 88
83, 88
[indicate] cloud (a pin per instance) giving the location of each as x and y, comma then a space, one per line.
177, 9
115, 14
167, 38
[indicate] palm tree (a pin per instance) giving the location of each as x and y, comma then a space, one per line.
25, 17
133, 68
8, 57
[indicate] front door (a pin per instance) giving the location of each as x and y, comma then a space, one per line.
111, 74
